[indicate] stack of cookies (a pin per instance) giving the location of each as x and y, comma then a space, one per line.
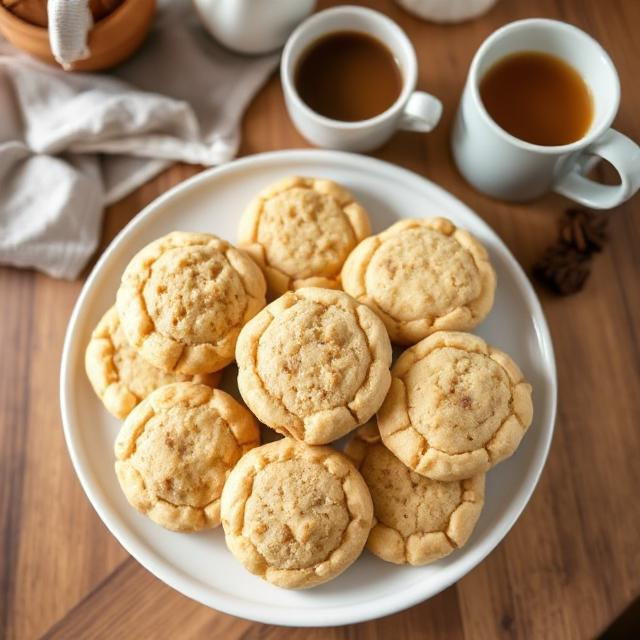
313, 365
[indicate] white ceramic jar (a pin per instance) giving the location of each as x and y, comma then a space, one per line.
252, 26
447, 11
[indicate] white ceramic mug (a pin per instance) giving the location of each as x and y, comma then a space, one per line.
412, 111
508, 168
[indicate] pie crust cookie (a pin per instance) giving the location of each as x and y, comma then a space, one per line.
295, 515
184, 298
300, 231
176, 449
314, 364
416, 520
422, 276
119, 375
456, 407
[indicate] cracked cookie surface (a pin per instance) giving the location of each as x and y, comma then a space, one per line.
456, 407
416, 520
176, 449
296, 515
118, 374
314, 364
301, 230
184, 298
422, 276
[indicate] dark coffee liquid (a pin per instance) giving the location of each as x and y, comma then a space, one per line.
538, 98
348, 76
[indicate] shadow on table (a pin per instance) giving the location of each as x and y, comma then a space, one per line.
626, 625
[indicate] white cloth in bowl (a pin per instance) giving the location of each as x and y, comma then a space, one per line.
69, 24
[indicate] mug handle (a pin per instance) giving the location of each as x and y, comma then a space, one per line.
421, 113
624, 154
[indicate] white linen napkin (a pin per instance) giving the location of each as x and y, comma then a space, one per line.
71, 143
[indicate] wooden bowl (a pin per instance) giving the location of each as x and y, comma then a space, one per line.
111, 40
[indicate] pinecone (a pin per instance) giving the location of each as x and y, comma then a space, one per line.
584, 230
563, 268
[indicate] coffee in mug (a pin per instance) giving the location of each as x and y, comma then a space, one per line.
537, 97
348, 76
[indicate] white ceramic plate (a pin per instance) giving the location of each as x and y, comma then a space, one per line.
199, 565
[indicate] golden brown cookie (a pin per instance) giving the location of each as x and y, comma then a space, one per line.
184, 298
456, 407
314, 364
416, 520
119, 375
296, 515
300, 231
422, 276
176, 449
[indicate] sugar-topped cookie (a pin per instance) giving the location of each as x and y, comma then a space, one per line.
184, 298
176, 449
300, 231
456, 406
119, 375
296, 515
422, 276
314, 364
416, 520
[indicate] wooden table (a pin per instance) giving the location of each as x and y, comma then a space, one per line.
572, 561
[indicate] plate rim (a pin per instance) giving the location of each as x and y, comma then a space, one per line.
336, 614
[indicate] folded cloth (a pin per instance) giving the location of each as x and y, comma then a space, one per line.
71, 143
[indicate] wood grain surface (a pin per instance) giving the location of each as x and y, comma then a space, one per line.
570, 564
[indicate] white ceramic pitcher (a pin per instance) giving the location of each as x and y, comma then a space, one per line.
252, 26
